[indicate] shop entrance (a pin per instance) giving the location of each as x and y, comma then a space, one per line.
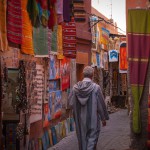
79, 68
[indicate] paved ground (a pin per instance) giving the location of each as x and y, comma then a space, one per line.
115, 136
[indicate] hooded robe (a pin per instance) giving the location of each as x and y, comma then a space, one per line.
89, 109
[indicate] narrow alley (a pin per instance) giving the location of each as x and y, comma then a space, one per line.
115, 136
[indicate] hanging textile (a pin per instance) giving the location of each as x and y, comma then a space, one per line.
139, 55
123, 65
32, 8
52, 18
148, 142
49, 40
79, 11
113, 56
54, 40
14, 21
3, 31
59, 42
43, 12
65, 73
104, 36
69, 39
59, 11
94, 31
67, 10
40, 41
27, 44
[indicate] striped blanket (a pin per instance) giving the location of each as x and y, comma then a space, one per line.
14, 21
69, 39
139, 56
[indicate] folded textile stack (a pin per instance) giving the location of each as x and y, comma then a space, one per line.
79, 11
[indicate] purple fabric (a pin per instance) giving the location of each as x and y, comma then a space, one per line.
67, 10
59, 7
139, 46
138, 72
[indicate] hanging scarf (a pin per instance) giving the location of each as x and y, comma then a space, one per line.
139, 56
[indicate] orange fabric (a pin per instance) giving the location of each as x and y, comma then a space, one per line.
27, 43
59, 42
123, 58
3, 31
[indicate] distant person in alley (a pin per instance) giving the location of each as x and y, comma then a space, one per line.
89, 110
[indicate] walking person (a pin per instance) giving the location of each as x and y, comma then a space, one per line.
89, 109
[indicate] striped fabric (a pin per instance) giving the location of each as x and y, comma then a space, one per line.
3, 31
69, 39
139, 56
14, 21
79, 11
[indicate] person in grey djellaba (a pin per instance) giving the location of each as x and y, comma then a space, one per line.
89, 110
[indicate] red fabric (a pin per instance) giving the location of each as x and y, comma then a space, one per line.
14, 21
69, 39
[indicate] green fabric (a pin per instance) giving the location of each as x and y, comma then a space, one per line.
40, 41
136, 93
138, 21
54, 40
33, 11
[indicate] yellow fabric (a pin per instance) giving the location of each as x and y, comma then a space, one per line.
27, 43
3, 31
59, 42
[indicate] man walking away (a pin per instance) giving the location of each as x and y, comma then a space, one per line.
89, 109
